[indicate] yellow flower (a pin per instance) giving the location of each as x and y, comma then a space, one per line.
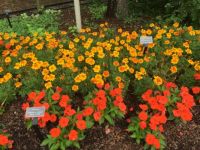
39, 46
167, 41
18, 84
36, 66
60, 61
138, 75
158, 80
118, 79
51, 77
75, 88
197, 67
7, 60
175, 59
48, 85
169, 35
186, 45
106, 73
173, 69
188, 51
1, 69
7, 76
152, 25
131, 70
176, 24
96, 68
191, 62
1, 80
121, 85
80, 58
90, 61
52, 68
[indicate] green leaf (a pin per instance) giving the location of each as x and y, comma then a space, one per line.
55, 146
109, 119
89, 123
45, 142
62, 145
77, 145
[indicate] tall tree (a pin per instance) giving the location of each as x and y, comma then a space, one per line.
117, 7
111, 8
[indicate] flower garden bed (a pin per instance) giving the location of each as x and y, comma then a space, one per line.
97, 77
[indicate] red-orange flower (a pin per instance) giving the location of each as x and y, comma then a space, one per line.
73, 135
81, 124
143, 116
55, 132
97, 116
143, 124
53, 118
144, 107
88, 111
56, 96
196, 90
25, 105
3, 140
63, 122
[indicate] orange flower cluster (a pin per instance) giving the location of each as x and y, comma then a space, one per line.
157, 104
152, 140
184, 107
71, 122
5, 142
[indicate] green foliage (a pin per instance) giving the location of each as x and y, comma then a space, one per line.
186, 78
183, 10
47, 21
97, 9
7, 94
187, 11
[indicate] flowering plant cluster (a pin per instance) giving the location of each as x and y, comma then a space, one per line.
101, 67
167, 102
69, 123
5, 142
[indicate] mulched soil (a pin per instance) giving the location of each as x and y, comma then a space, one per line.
178, 136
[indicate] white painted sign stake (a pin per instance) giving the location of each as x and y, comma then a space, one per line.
77, 14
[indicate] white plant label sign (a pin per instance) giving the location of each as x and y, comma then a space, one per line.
33, 112
145, 40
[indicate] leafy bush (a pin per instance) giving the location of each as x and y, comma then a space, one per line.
186, 11
97, 9
24, 24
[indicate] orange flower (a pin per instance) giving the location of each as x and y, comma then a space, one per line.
73, 135
143, 116
97, 116
53, 118
81, 124
143, 124
3, 140
106, 74
158, 80
63, 122
55, 132
56, 96
88, 111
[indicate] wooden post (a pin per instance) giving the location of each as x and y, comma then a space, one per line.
77, 14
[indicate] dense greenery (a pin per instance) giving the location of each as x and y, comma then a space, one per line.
25, 24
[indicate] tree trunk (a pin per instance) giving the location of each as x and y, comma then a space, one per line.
111, 9
122, 8
38, 4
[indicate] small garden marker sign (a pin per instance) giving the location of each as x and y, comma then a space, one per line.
145, 40
35, 112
